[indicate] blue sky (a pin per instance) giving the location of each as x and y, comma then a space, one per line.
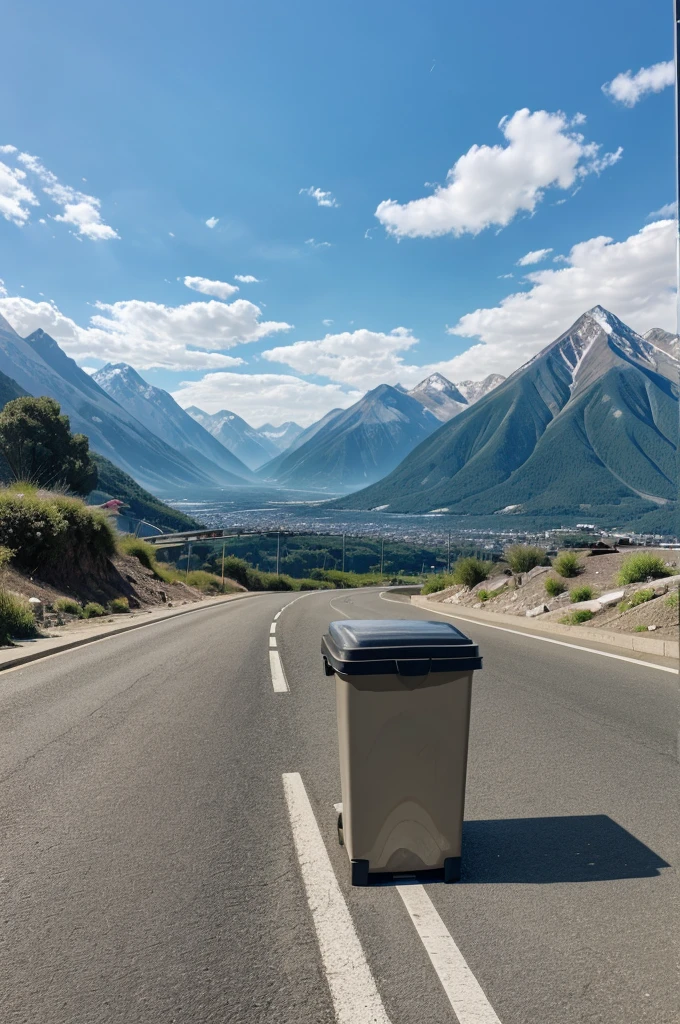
164, 116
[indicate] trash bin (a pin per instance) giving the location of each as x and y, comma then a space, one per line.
403, 703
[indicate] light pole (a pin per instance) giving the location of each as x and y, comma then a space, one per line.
382, 548
278, 552
343, 536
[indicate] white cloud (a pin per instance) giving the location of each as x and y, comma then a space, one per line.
171, 234
313, 244
3, 290
16, 197
326, 323
89, 369
492, 184
246, 279
504, 277
634, 279
265, 397
629, 88
147, 334
669, 210
220, 289
533, 257
363, 358
8, 149
212, 222
322, 198
79, 210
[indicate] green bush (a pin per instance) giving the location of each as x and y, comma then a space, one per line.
567, 565
483, 595
641, 597
50, 531
68, 605
640, 567
672, 600
315, 585
583, 593
92, 610
470, 572
554, 587
17, 620
581, 615
119, 605
523, 557
6, 555
147, 555
207, 582
440, 581
641, 629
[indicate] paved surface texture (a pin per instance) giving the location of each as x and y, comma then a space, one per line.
148, 868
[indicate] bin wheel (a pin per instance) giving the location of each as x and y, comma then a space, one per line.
452, 869
341, 832
359, 872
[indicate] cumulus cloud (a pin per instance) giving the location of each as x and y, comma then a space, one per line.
265, 397
363, 358
668, 210
533, 257
212, 222
219, 289
80, 210
492, 184
322, 198
148, 334
16, 197
629, 88
246, 279
635, 279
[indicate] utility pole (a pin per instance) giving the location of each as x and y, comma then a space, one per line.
224, 544
382, 555
278, 552
448, 554
188, 559
343, 536
677, 175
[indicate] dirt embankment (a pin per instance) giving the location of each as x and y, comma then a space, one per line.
516, 595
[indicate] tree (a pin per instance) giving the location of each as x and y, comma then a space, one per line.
36, 445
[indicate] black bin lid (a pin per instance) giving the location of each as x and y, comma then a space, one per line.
356, 646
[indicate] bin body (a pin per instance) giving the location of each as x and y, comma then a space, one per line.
403, 705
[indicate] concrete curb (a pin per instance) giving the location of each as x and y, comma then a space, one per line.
20, 656
626, 641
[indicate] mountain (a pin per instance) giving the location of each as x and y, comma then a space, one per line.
41, 368
282, 437
588, 424
667, 342
160, 413
9, 389
473, 390
237, 436
356, 445
440, 396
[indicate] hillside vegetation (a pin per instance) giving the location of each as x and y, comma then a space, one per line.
114, 483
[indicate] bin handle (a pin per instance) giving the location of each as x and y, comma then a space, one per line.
413, 667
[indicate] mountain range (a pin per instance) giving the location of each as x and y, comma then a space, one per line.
589, 423
253, 447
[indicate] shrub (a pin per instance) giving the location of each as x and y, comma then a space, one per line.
583, 593
523, 557
567, 565
6, 555
17, 620
36, 443
641, 597
315, 585
640, 567
672, 600
581, 615
119, 605
92, 610
483, 595
441, 581
68, 605
640, 629
470, 572
554, 587
146, 554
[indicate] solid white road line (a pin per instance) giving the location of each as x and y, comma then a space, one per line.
549, 640
272, 641
356, 999
272, 628
462, 988
278, 677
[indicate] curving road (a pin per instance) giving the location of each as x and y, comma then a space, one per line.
169, 850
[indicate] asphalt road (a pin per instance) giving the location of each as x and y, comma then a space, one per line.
149, 870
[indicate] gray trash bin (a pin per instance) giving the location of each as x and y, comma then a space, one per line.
403, 702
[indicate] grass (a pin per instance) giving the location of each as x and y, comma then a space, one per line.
434, 584
523, 557
567, 565
554, 587
582, 593
484, 595
575, 618
672, 600
93, 610
642, 566
17, 621
119, 605
68, 605
641, 629
641, 597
